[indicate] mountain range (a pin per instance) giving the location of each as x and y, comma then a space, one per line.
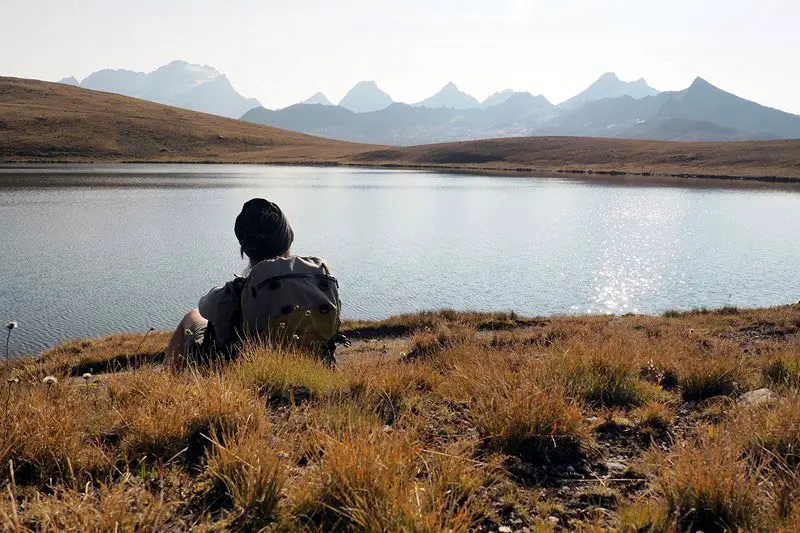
51, 122
609, 107
180, 84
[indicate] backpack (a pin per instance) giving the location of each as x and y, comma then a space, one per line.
292, 302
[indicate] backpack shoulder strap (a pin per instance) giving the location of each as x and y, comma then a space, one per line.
236, 287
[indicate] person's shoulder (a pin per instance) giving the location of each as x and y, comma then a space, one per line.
309, 259
211, 301
313, 261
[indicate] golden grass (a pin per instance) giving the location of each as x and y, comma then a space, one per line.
771, 433
113, 353
164, 418
654, 415
284, 377
379, 481
251, 474
55, 433
121, 507
498, 421
708, 487
44, 121
783, 367
714, 376
429, 342
514, 410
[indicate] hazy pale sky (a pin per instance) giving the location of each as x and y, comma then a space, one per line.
284, 51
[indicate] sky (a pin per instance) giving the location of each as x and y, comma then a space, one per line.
284, 51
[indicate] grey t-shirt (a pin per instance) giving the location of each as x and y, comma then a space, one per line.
220, 306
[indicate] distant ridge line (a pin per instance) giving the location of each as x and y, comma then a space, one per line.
44, 122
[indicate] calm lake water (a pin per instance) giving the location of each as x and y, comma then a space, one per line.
88, 250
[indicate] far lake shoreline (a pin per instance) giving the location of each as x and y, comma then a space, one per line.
615, 177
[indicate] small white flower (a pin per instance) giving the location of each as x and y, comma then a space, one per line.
295, 338
12, 381
308, 313
282, 325
87, 376
50, 380
12, 325
282, 455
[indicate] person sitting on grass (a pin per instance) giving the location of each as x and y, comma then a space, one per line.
282, 299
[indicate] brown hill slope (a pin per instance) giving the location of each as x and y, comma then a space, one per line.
41, 121
590, 154
51, 121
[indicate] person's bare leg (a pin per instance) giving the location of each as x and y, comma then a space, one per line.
174, 355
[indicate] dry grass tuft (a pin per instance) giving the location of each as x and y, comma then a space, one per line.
55, 433
771, 434
168, 418
513, 412
249, 471
120, 507
783, 368
431, 342
643, 515
709, 487
605, 374
385, 482
539, 425
716, 376
74, 358
655, 416
389, 389
286, 378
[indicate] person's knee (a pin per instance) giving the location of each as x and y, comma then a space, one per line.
191, 318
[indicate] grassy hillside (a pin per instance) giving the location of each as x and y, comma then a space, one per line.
588, 154
436, 421
42, 121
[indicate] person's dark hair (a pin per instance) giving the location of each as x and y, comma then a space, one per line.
262, 230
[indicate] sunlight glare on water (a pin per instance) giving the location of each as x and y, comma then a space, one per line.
635, 253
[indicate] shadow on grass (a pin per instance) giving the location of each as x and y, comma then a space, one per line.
119, 363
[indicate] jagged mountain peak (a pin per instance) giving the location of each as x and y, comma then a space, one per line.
497, 98
450, 96
178, 83
72, 80
365, 96
528, 97
610, 86
366, 84
519, 106
317, 98
608, 76
700, 82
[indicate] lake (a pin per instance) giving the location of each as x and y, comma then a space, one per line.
89, 250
